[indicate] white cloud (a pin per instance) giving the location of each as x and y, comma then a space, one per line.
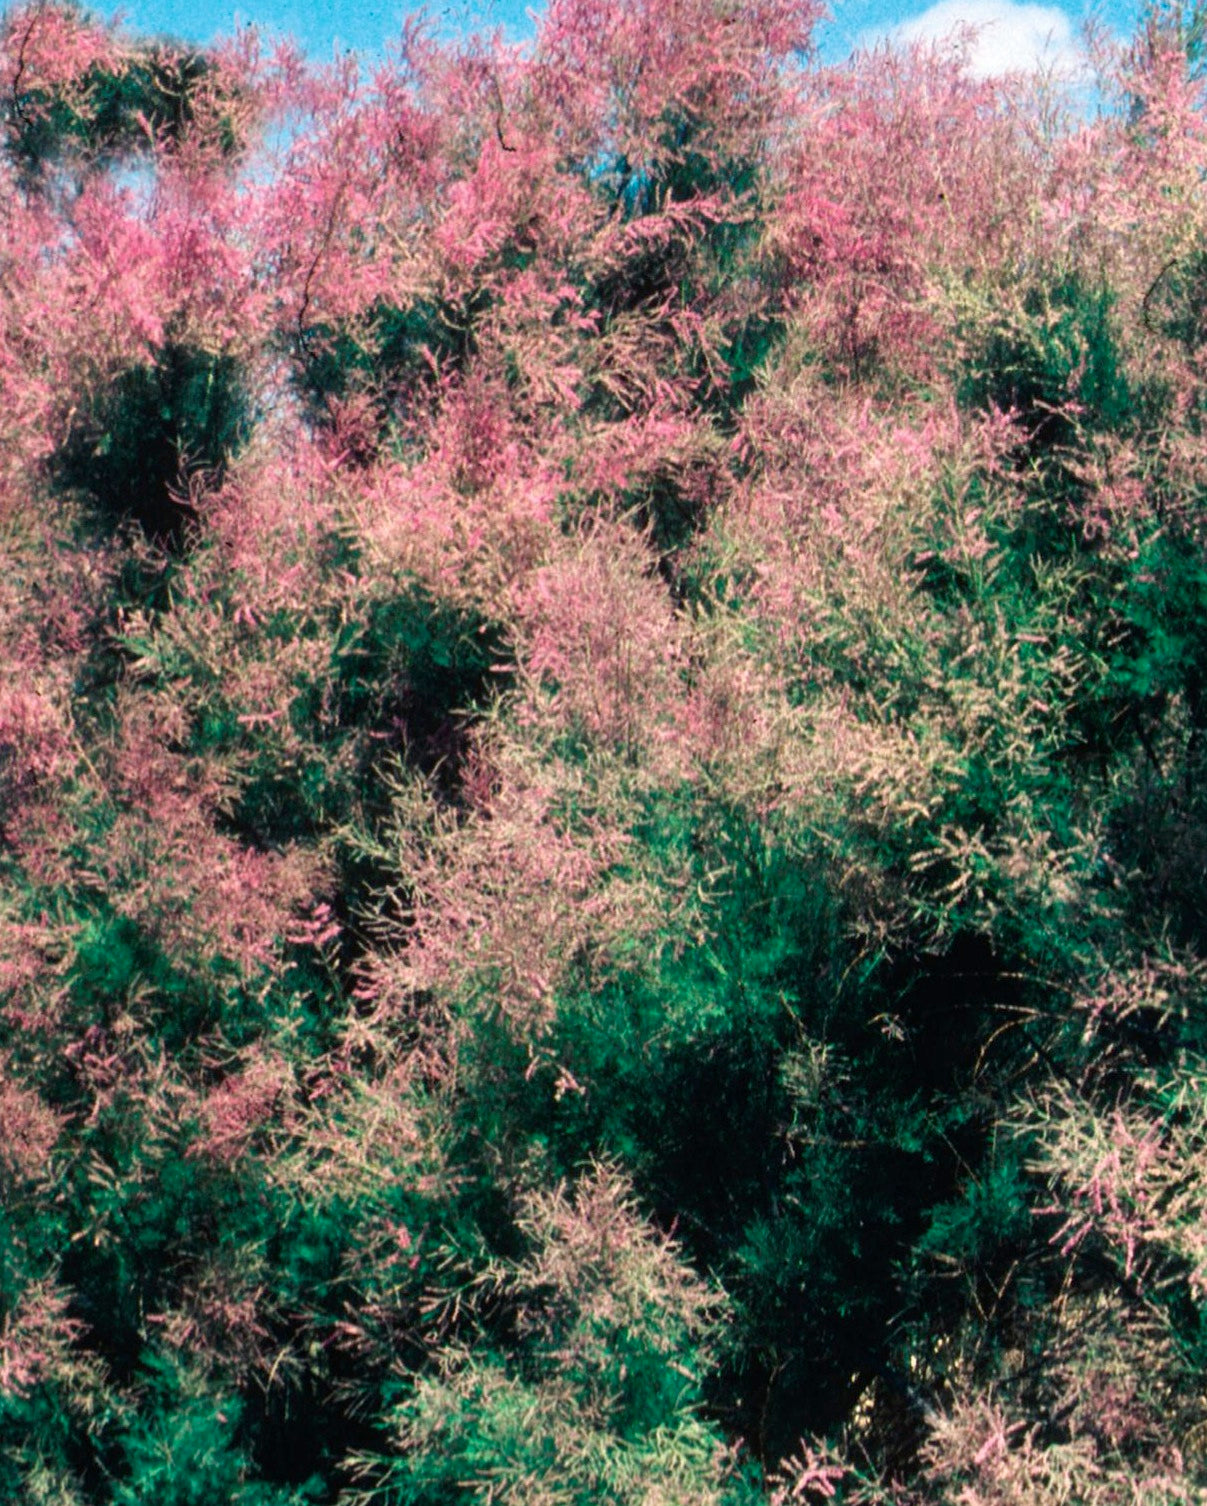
997, 36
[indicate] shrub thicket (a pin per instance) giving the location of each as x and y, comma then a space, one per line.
603, 686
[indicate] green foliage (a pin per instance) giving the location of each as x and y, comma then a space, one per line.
117, 108
183, 1448
403, 677
421, 662
153, 429
596, 1400
1051, 356
992, 1211
399, 355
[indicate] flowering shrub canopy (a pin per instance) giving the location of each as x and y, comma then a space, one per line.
603, 785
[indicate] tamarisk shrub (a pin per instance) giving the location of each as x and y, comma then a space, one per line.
602, 692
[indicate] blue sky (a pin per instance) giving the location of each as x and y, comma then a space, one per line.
1012, 32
